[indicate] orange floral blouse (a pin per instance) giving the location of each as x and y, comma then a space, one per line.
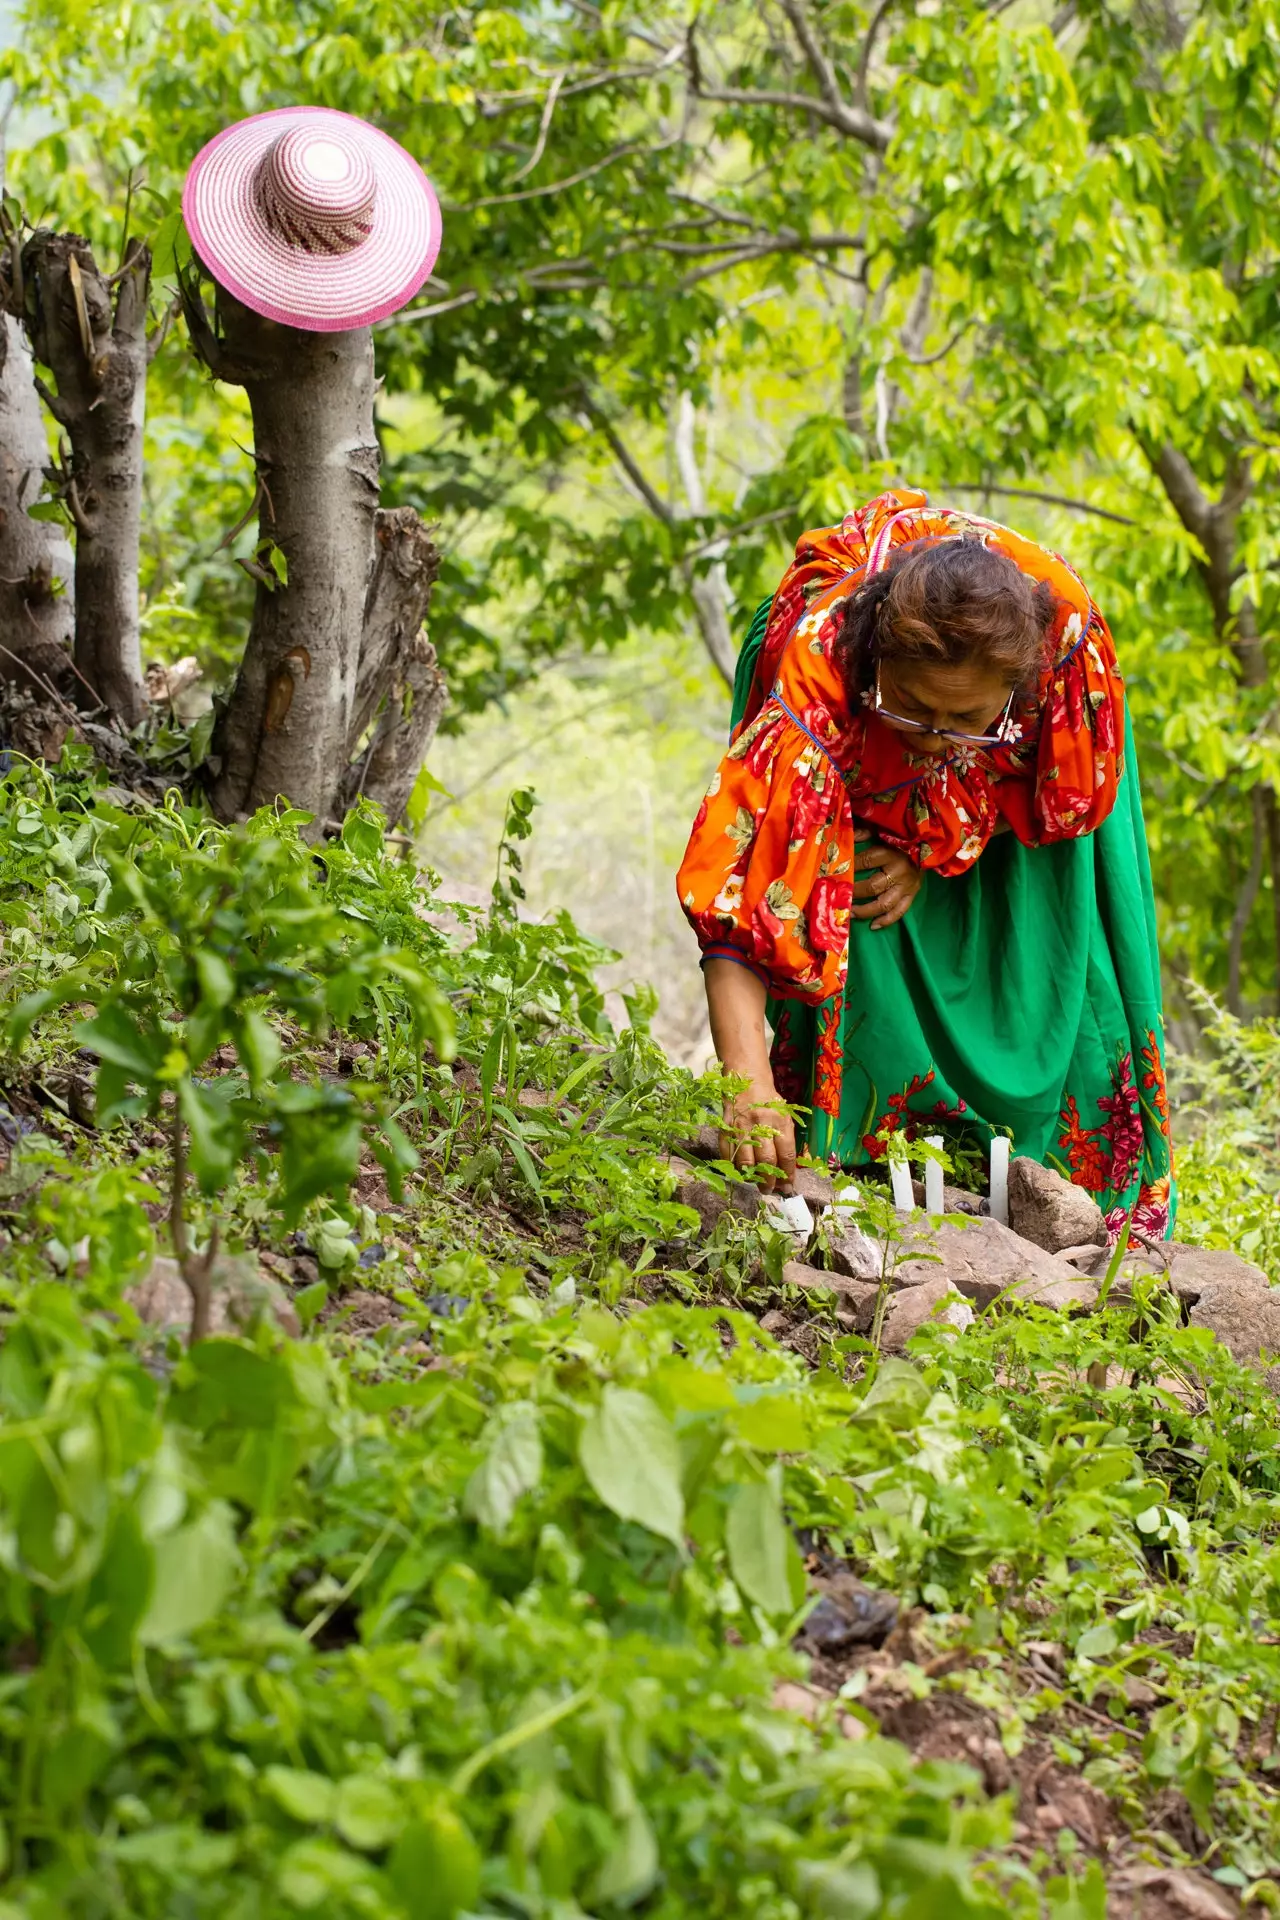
767, 878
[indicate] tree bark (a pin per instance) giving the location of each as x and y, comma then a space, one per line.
36, 598
1214, 524
339, 635
398, 669
286, 727
90, 331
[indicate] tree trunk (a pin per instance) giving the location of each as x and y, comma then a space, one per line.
1214, 524
286, 726
91, 333
336, 619
397, 669
36, 561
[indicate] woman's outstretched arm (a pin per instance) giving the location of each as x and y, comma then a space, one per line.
735, 1002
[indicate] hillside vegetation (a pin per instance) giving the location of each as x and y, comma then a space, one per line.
490, 1558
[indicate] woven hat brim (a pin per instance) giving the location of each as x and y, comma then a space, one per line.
321, 292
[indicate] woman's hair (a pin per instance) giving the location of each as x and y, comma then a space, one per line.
948, 603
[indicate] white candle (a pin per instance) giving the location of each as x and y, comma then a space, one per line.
900, 1173
933, 1200
1000, 1179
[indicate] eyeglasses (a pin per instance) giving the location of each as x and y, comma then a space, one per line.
995, 739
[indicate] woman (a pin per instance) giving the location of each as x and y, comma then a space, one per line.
924, 856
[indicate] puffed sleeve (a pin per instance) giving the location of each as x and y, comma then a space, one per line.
1079, 755
767, 877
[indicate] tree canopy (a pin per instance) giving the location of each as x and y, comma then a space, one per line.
708, 279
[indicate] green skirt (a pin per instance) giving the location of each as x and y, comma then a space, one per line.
1022, 998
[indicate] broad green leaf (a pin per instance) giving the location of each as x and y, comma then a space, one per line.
368, 1812
1097, 1642
632, 1866
756, 1536
435, 1866
629, 1453
304, 1796
512, 1465
195, 1568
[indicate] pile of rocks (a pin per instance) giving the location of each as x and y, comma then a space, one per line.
1054, 1252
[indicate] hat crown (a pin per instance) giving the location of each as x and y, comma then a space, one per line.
316, 188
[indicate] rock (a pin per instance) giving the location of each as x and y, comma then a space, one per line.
916, 1306
1049, 1211
982, 1259
709, 1203
1064, 1294
849, 1614
242, 1293
702, 1145
856, 1299
855, 1253
1090, 1259
817, 1188
1245, 1317
954, 1199
1192, 1269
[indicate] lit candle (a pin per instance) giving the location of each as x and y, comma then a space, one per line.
1000, 1179
900, 1173
933, 1200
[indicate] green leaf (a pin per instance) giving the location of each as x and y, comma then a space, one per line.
258, 1046
1097, 1642
756, 1536
435, 1866
171, 249
310, 1301
629, 1453
419, 800
195, 1567
304, 1796
512, 1466
632, 1866
211, 1137
114, 1036
178, 1852
368, 1812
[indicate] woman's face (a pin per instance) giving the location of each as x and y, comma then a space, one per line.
959, 699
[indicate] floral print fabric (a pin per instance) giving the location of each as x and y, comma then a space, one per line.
768, 874
1021, 993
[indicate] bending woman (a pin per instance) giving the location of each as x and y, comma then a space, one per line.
923, 859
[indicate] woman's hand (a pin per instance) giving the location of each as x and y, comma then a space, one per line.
889, 890
759, 1109
735, 1002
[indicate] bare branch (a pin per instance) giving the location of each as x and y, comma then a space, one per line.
1186, 496
652, 499
815, 53
560, 186
429, 313
862, 127
868, 45
1050, 499
51, 400
932, 359
544, 127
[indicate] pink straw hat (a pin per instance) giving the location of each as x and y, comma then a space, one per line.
312, 217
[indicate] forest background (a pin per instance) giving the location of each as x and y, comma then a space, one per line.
707, 280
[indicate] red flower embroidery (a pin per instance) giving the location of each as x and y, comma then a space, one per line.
829, 906
1153, 1078
1063, 809
806, 810
828, 1066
